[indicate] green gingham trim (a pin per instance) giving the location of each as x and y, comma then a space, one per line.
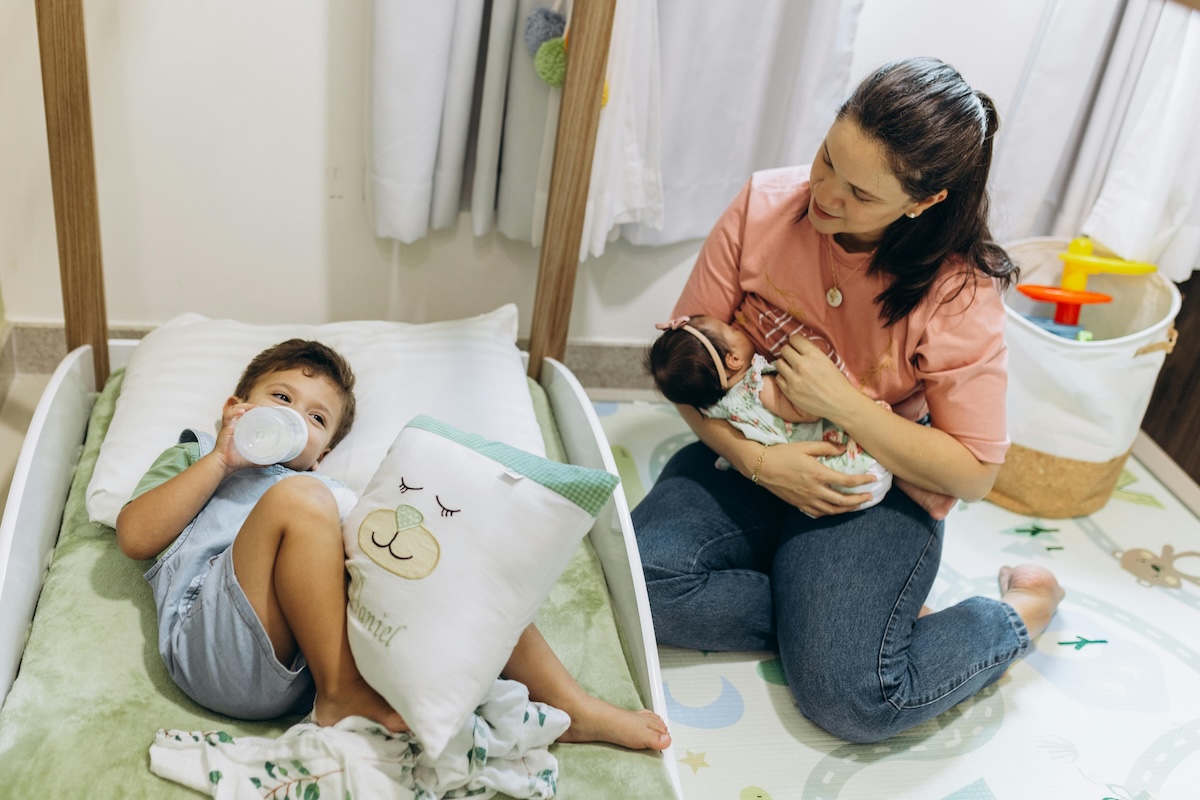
587, 488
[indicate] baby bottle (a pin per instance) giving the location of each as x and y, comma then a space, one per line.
270, 435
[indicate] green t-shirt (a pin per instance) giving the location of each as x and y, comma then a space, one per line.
170, 463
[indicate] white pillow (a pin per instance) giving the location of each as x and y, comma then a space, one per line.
451, 552
466, 371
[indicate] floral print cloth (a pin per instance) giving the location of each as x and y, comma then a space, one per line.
743, 409
502, 748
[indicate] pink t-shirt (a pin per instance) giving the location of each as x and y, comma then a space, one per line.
770, 273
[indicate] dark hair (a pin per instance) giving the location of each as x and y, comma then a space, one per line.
937, 133
313, 358
683, 369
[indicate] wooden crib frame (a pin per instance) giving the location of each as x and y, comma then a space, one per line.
30, 526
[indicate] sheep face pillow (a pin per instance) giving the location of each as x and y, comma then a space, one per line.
451, 550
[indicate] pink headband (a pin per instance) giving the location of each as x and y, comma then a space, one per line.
681, 323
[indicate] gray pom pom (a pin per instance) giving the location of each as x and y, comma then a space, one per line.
541, 25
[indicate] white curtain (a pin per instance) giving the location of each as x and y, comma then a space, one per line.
423, 77
1099, 137
1051, 106
424, 80
697, 101
522, 124
625, 184
1146, 170
745, 86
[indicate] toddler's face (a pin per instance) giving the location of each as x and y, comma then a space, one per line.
316, 399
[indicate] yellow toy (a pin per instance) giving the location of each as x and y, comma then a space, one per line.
1078, 264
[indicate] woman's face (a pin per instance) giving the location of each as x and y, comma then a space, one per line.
855, 196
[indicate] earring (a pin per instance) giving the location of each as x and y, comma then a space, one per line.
911, 215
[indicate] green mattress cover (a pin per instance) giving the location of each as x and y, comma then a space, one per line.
92, 690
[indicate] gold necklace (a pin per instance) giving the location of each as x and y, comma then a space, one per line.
834, 296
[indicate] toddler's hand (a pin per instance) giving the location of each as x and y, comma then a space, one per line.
225, 449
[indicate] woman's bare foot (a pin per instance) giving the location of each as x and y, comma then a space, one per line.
1033, 592
360, 700
594, 720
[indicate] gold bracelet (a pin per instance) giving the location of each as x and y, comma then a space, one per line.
758, 466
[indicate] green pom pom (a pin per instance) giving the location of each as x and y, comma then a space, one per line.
551, 62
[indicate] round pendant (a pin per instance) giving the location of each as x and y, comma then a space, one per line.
833, 297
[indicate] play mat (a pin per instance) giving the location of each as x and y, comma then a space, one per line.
1107, 706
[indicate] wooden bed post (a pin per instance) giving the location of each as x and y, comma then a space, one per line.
73, 176
578, 117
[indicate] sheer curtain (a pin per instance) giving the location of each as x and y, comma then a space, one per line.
1099, 138
1051, 108
1136, 186
626, 185
742, 91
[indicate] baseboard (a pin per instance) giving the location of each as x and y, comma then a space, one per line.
38, 349
608, 366
8, 360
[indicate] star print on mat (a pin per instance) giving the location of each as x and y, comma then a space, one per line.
694, 760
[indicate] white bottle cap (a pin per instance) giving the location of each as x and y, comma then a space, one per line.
270, 435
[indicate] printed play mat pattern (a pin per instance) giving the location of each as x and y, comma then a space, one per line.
1106, 708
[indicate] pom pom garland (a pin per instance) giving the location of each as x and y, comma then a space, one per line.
546, 37
551, 62
542, 25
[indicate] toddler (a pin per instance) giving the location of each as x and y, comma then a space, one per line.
249, 577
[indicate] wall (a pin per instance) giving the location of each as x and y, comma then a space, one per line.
230, 148
27, 249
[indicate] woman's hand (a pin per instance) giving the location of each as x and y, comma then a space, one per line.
811, 381
792, 473
789, 471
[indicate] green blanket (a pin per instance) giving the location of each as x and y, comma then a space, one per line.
92, 690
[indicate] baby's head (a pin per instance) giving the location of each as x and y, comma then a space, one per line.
310, 377
687, 371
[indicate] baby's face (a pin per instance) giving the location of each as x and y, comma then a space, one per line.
734, 337
315, 397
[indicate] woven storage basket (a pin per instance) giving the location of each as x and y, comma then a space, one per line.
1075, 408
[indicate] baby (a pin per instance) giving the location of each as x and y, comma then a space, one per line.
703, 362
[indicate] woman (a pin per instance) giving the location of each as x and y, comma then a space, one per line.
874, 269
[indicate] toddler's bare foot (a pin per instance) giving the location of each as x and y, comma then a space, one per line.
360, 700
594, 720
1033, 592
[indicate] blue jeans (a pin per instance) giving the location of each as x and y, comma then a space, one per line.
729, 566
